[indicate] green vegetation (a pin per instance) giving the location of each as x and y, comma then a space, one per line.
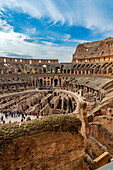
56, 123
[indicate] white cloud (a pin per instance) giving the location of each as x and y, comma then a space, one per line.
92, 14
4, 26
67, 38
14, 43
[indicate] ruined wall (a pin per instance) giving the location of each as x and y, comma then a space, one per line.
52, 142
102, 135
107, 121
94, 148
28, 61
95, 50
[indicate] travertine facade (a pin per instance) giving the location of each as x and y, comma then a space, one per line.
98, 51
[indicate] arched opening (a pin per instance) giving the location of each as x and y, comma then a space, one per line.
44, 68
109, 70
57, 70
55, 82
72, 71
64, 70
41, 82
65, 104
70, 106
19, 71
68, 71
51, 81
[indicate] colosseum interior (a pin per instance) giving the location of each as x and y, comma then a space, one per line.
74, 102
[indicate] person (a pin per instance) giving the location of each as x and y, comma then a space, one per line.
2, 117
6, 115
11, 114
25, 113
22, 115
22, 120
28, 118
3, 121
34, 113
14, 113
9, 121
20, 124
18, 113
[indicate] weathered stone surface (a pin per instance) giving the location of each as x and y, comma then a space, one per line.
101, 134
107, 121
96, 49
50, 143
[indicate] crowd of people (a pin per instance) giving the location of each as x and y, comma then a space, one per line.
15, 117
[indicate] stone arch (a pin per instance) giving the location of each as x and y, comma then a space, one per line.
55, 82
64, 70
41, 82
68, 71
57, 69
19, 70
109, 70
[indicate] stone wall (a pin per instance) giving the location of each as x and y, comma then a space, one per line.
53, 142
107, 121
97, 51
102, 135
94, 148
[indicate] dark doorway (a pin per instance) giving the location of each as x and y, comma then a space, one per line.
55, 82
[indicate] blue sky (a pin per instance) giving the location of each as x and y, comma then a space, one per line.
52, 28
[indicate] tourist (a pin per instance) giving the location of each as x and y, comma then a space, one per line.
20, 124
25, 113
2, 116
28, 118
34, 113
22, 115
14, 113
6, 115
11, 114
18, 113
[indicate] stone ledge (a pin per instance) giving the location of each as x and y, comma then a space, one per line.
55, 123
